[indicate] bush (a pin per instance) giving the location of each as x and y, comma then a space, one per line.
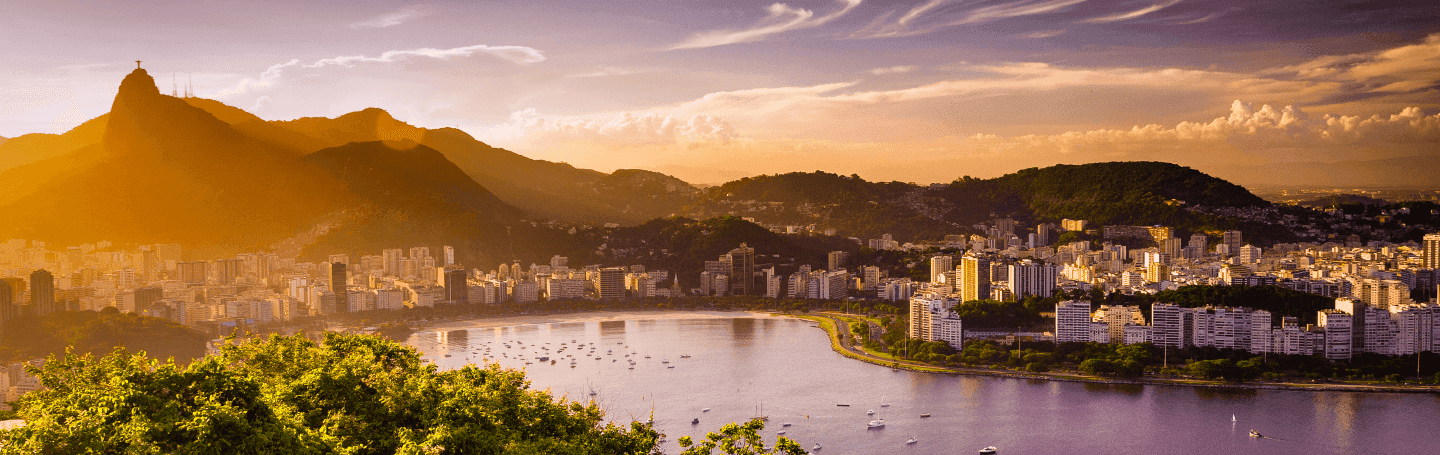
1036, 367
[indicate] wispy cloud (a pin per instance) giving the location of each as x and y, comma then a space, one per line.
605, 71
782, 18
266, 80
518, 54
1125, 16
894, 69
929, 17
1043, 34
1205, 18
391, 19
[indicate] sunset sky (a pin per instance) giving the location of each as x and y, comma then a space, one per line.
919, 90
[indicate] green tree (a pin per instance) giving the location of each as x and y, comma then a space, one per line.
736, 439
1097, 367
351, 394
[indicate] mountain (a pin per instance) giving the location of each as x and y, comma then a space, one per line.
30, 148
682, 245
850, 204
1135, 193
167, 170
544, 189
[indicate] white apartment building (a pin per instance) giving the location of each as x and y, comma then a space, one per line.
1072, 321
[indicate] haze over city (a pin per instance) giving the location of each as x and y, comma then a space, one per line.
713, 91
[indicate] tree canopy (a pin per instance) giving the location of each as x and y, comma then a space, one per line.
350, 394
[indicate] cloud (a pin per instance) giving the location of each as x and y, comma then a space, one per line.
781, 18
518, 54
1042, 34
261, 103
918, 20
1404, 69
625, 129
390, 19
894, 69
605, 71
1125, 16
266, 80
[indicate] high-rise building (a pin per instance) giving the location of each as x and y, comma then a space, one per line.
1233, 240
932, 318
1073, 225
456, 286
1072, 321
226, 270
341, 258
973, 278
1249, 254
1171, 325
610, 283
419, 252
938, 266
42, 292
7, 304
1431, 251
338, 286
558, 262
449, 252
192, 272
742, 270
837, 260
1029, 278
1199, 242
1338, 327
392, 258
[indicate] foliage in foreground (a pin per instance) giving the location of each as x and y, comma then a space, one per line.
737, 439
351, 394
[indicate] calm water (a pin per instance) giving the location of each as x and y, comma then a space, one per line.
739, 365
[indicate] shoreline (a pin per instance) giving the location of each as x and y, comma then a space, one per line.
826, 324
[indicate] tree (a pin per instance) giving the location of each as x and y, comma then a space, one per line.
736, 439
1097, 367
351, 394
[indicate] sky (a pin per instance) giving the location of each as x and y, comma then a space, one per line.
919, 90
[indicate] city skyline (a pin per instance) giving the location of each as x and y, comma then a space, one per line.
714, 92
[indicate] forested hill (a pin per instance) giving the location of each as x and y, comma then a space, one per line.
1136, 193
1133, 193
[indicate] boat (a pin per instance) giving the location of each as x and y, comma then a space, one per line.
924, 415
989, 451
817, 447
1255, 434
544, 359
780, 432
684, 356
879, 423
1232, 417
705, 410
845, 405
912, 441
786, 424
870, 412
671, 366
695, 422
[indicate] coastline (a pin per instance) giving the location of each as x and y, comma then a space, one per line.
606, 315
826, 323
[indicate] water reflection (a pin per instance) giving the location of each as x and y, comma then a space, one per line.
608, 328
743, 330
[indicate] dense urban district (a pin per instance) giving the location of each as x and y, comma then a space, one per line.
237, 247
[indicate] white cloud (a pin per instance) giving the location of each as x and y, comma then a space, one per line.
390, 19
518, 54
781, 18
911, 22
1125, 16
625, 129
894, 69
1042, 34
261, 103
266, 80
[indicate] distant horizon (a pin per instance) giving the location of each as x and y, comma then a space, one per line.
917, 90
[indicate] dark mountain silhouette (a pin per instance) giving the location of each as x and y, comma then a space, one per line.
166, 170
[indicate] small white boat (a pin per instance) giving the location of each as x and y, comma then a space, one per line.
870, 412
1255, 434
989, 451
817, 447
780, 432
912, 441
1232, 417
879, 423
786, 424
705, 410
